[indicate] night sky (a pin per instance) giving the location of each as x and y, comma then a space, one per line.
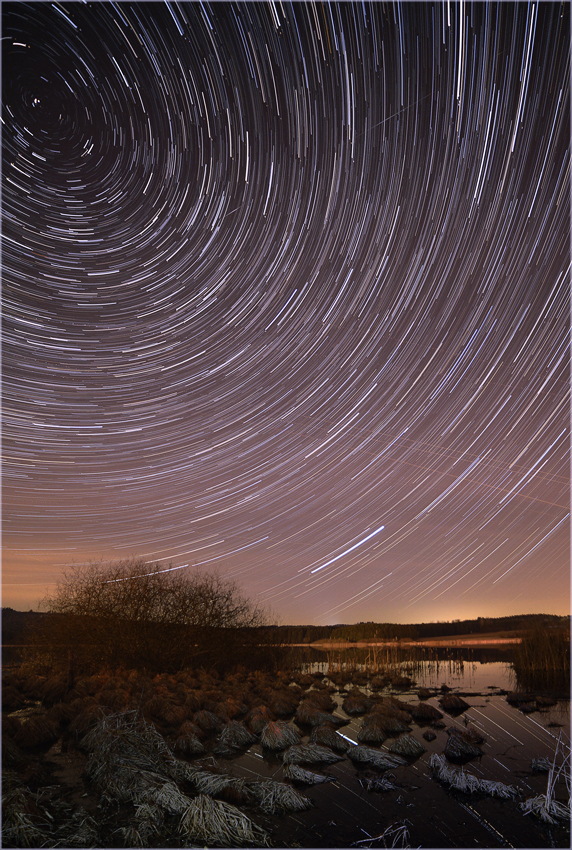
286, 296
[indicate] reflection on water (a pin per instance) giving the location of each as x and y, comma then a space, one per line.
461, 669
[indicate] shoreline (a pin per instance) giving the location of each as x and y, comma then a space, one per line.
429, 642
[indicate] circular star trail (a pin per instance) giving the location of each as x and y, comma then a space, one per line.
286, 296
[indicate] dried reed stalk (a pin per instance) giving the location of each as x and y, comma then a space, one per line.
545, 806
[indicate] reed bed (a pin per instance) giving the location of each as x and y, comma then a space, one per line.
467, 782
214, 822
542, 660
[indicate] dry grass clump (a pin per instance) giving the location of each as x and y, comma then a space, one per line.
377, 758
541, 765
145, 829
453, 704
407, 745
299, 774
422, 712
79, 830
236, 736
208, 721
12, 755
327, 736
23, 823
371, 731
188, 741
278, 735
461, 746
215, 784
357, 703
310, 754
257, 718
62, 713
467, 782
307, 714
86, 719
320, 699
278, 797
130, 761
391, 724
10, 725
283, 703
546, 806
37, 731
214, 822
12, 699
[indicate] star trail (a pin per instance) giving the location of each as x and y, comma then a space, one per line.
286, 296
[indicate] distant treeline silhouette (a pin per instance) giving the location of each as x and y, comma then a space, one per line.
418, 631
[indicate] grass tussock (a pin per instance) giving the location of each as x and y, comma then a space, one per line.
375, 758
23, 822
307, 777
407, 745
310, 754
215, 822
278, 797
467, 782
278, 735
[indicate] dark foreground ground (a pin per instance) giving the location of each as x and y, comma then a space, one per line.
49, 799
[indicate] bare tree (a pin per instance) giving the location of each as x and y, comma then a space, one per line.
134, 614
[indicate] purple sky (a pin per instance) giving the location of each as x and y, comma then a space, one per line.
286, 296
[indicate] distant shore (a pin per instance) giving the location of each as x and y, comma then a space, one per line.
452, 640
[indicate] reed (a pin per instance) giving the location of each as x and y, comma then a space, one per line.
542, 660
546, 806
